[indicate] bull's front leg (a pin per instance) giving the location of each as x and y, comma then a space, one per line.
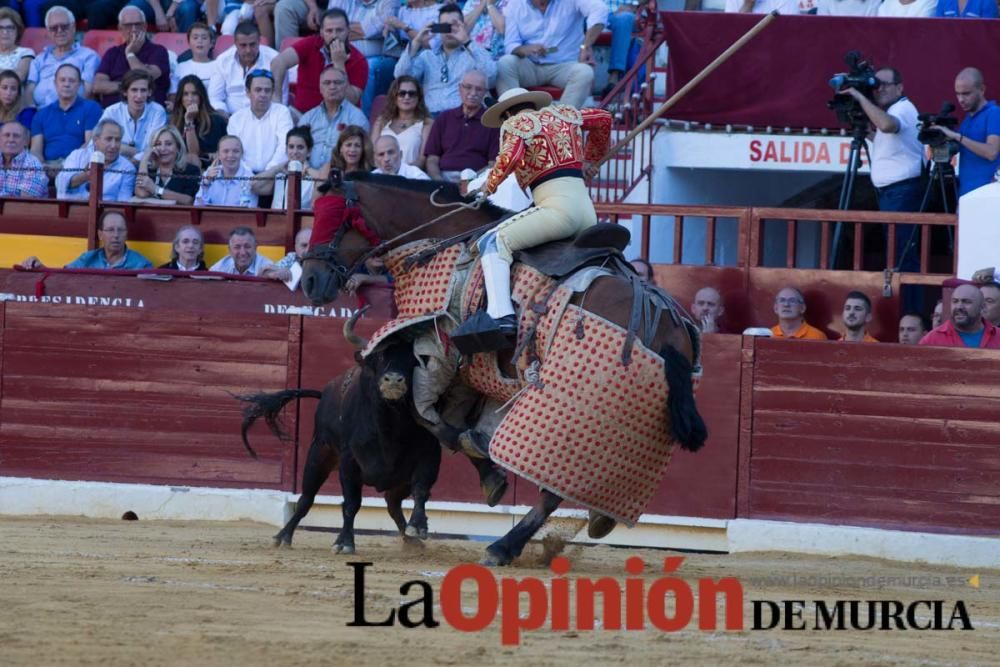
424, 476
350, 484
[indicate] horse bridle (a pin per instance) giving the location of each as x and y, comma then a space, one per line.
327, 252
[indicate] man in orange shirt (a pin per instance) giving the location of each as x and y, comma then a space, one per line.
856, 317
790, 307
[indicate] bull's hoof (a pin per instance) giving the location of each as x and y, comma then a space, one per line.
494, 487
599, 525
345, 549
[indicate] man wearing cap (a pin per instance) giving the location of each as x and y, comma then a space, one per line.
552, 135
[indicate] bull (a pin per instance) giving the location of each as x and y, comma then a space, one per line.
364, 426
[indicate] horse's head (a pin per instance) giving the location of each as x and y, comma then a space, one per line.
336, 244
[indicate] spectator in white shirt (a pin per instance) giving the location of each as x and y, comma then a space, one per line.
227, 90
199, 37
227, 181
138, 115
847, 7
263, 125
907, 8
784, 7
244, 260
389, 160
119, 172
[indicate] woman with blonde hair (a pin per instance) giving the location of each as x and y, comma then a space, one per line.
164, 172
406, 118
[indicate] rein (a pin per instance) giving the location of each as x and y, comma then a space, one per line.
329, 249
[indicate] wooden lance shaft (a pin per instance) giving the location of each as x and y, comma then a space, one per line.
723, 57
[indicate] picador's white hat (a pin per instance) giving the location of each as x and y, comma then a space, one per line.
511, 98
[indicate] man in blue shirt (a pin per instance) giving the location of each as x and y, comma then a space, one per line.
978, 135
113, 253
40, 84
65, 125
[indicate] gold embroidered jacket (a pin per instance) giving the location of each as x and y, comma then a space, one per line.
536, 143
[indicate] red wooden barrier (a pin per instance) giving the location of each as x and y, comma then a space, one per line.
114, 395
881, 435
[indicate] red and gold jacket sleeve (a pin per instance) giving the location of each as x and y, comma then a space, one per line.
511, 151
597, 124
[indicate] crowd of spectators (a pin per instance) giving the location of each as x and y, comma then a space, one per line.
973, 319
223, 128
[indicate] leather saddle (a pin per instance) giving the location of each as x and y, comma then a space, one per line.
593, 245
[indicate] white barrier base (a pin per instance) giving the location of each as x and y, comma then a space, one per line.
24, 497
828, 540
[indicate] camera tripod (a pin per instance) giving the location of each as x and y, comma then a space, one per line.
940, 171
859, 134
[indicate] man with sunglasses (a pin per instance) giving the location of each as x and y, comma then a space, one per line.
137, 53
40, 84
439, 67
227, 87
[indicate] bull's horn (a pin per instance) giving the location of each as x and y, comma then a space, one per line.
352, 338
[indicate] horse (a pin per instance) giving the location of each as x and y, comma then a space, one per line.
390, 205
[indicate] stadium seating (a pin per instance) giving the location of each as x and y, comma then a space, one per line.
102, 40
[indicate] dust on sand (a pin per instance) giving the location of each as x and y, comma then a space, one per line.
76, 591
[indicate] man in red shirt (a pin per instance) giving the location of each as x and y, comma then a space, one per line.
966, 326
313, 54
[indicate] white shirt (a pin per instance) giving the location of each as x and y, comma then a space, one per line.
847, 7
407, 171
784, 7
263, 138
228, 265
201, 70
227, 90
116, 186
137, 131
918, 9
898, 156
224, 191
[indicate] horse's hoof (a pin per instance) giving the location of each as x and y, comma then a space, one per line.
413, 543
494, 487
599, 526
493, 559
345, 549
280, 540
411, 531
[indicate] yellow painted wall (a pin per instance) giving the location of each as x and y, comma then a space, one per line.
58, 251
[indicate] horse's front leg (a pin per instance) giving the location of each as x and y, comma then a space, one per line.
510, 546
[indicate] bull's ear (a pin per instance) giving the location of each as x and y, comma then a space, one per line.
357, 358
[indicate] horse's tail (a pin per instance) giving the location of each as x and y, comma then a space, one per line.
269, 406
686, 425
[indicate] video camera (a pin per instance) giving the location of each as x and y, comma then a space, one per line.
861, 77
942, 148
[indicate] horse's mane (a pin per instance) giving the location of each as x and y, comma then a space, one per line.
446, 190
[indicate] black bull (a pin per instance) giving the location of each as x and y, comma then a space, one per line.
364, 422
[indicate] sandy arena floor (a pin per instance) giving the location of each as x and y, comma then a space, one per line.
96, 592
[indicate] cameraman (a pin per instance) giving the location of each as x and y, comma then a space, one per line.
979, 134
897, 156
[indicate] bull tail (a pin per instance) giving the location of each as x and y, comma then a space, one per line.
269, 407
686, 425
